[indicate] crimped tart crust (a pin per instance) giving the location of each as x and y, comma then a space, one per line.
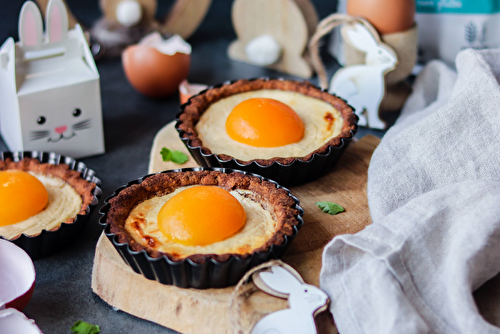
62, 171
277, 201
198, 104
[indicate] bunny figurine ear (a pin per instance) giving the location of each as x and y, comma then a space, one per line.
280, 282
361, 38
56, 21
30, 25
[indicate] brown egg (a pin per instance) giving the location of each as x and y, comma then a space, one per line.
387, 16
153, 73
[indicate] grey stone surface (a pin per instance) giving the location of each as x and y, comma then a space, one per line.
63, 292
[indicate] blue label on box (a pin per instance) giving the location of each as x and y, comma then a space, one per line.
458, 6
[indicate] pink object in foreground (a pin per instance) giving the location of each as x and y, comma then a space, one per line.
17, 274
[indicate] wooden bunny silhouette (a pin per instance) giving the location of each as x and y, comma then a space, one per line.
305, 302
273, 34
363, 85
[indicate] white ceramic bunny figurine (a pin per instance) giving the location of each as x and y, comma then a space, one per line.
363, 85
49, 87
305, 301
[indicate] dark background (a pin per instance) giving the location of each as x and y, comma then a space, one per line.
63, 292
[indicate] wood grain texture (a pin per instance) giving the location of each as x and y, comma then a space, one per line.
185, 17
310, 15
169, 138
282, 19
206, 311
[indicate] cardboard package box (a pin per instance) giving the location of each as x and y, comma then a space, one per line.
49, 87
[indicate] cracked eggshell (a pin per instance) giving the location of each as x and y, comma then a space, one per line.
17, 274
186, 90
156, 67
14, 322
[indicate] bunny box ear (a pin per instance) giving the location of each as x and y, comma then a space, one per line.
30, 25
360, 37
56, 21
280, 282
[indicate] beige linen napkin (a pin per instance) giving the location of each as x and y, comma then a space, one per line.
434, 197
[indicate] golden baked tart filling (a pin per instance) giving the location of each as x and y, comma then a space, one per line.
265, 121
36, 196
278, 133
202, 214
258, 227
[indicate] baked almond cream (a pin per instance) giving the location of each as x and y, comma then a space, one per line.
63, 203
259, 227
321, 120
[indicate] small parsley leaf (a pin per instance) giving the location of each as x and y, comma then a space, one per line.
330, 207
175, 156
82, 327
166, 154
178, 157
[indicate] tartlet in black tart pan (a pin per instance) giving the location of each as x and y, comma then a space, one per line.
286, 171
216, 271
48, 242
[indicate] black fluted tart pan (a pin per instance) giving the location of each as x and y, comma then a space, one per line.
212, 271
48, 242
286, 171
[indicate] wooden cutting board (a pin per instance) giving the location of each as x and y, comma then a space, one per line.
206, 311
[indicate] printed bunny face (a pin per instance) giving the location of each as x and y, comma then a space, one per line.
67, 127
50, 87
63, 132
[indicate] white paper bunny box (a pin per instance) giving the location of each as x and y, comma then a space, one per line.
49, 87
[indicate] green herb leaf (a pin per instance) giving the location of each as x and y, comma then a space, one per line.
175, 156
330, 207
166, 154
82, 327
178, 157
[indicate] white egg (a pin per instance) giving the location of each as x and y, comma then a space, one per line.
14, 322
17, 274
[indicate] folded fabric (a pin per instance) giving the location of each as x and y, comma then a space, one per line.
434, 198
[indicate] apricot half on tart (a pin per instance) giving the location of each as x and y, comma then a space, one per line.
38, 198
291, 132
200, 227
